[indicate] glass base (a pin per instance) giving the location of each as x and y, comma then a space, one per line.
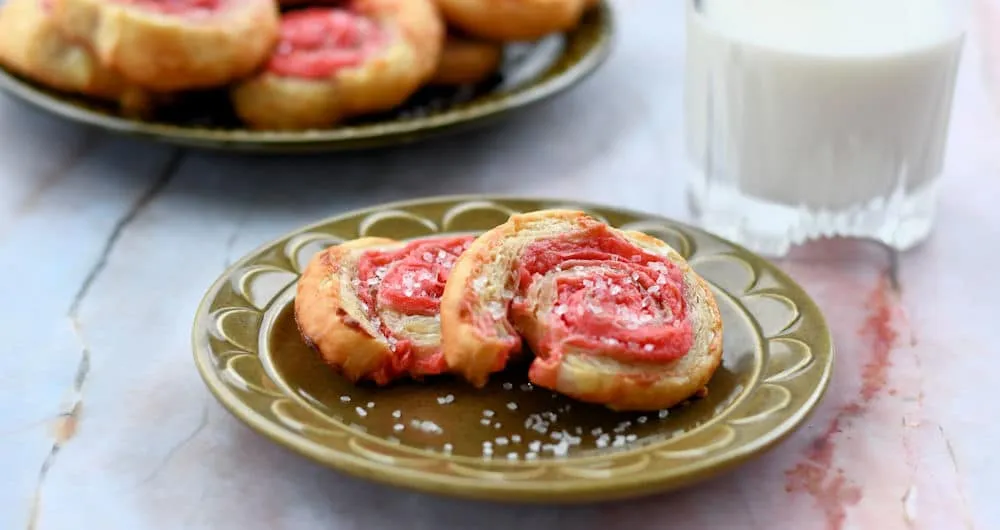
901, 220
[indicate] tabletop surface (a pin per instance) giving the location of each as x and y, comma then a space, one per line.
107, 245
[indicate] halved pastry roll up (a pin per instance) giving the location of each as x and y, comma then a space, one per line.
334, 63
32, 46
613, 317
177, 45
370, 306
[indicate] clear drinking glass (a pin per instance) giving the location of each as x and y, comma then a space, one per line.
814, 118
987, 15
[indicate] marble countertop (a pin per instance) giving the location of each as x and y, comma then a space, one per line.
107, 245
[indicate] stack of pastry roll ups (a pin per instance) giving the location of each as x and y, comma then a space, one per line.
612, 317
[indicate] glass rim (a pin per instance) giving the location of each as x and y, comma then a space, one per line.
964, 11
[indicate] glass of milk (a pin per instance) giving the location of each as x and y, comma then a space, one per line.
816, 118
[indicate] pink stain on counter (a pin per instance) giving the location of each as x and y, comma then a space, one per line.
872, 464
867, 458
818, 475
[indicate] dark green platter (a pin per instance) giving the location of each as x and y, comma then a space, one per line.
531, 73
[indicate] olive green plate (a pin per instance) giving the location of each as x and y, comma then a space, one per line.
530, 74
777, 362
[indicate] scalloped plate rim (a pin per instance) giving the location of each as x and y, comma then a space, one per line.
536, 492
333, 139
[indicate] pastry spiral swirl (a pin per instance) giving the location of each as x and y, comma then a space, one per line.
613, 317
370, 306
334, 63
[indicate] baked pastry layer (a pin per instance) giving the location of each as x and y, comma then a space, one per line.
613, 317
173, 46
333, 63
513, 20
32, 45
466, 61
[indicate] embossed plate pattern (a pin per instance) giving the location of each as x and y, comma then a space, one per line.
531, 74
510, 441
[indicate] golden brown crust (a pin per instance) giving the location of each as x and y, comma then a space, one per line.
468, 349
481, 277
383, 82
467, 61
173, 52
513, 20
32, 46
334, 326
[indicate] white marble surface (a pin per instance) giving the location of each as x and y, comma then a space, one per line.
107, 244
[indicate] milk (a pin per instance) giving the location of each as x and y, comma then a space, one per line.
819, 117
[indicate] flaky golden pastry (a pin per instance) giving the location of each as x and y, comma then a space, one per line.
370, 306
513, 20
32, 46
466, 61
333, 63
173, 46
613, 317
